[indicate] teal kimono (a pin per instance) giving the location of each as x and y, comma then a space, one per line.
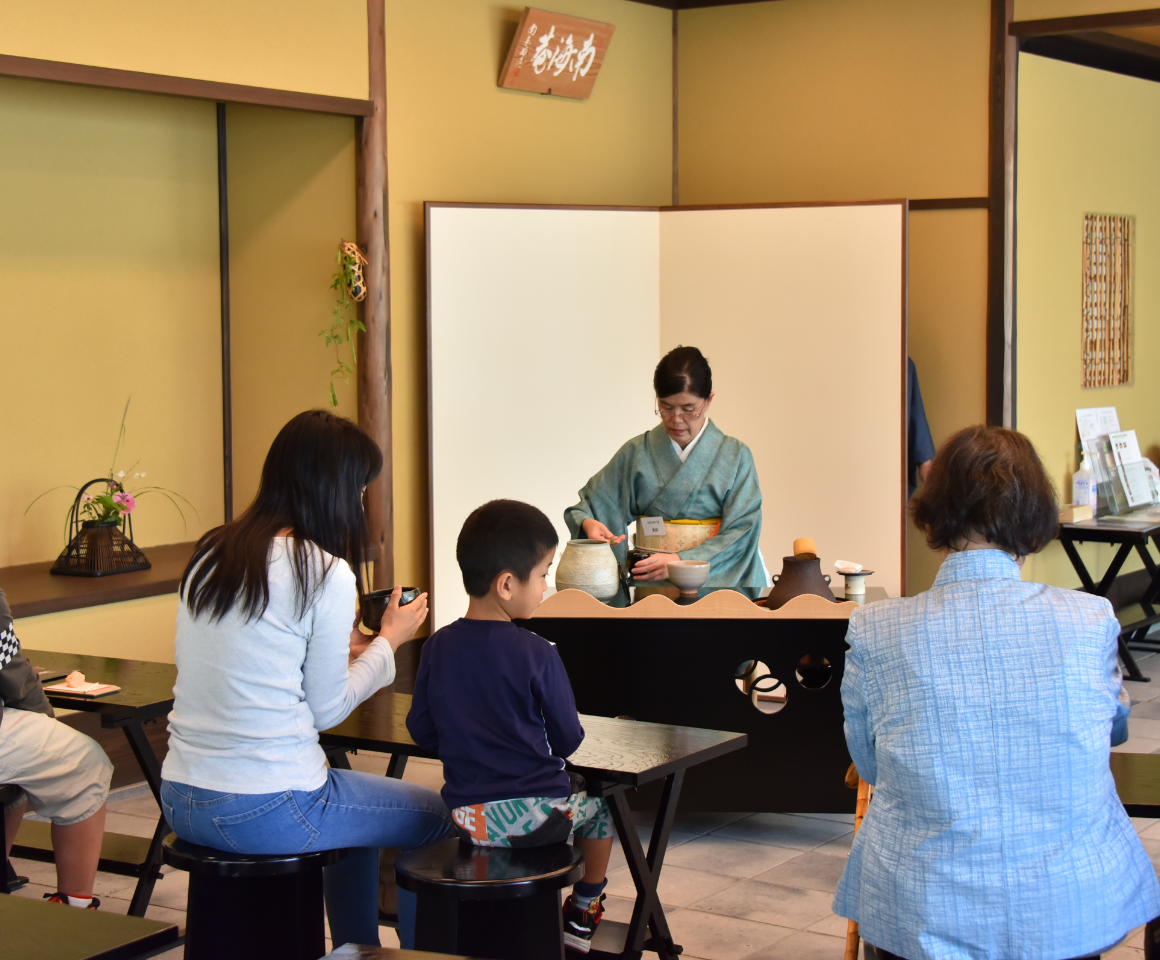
646, 478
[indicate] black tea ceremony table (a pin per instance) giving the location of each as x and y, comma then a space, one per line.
616, 755
1131, 534
146, 694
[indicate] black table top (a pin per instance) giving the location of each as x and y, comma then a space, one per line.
1130, 528
1137, 777
613, 751
36, 930
355, 951
146, 687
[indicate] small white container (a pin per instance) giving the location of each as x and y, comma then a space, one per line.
856, 583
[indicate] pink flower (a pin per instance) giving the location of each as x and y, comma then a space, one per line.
125, 502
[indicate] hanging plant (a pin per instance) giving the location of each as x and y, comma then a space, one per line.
350, 283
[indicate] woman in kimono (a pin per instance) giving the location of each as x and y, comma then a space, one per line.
686, 472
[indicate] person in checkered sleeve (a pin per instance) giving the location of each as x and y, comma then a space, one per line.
52, 768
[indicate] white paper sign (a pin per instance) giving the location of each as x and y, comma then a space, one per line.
1126, 447
652, 526
1097, 422
1137, 484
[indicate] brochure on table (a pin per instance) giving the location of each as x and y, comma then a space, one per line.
1125, 479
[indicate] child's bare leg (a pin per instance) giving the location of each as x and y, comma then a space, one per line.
12, 820
596, 854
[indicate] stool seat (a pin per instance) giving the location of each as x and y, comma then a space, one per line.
242, 906
211, 862
463, 871
494, 902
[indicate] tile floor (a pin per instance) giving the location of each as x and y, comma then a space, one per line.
735, 886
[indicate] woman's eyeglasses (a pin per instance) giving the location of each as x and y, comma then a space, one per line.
686, 413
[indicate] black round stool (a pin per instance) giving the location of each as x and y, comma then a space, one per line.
494, 902
242, 906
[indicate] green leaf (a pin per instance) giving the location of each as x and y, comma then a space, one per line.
333, 396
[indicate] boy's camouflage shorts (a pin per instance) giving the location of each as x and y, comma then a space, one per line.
495, 823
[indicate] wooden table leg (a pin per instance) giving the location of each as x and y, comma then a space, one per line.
647, 914
151, 767
1080, 567
1101, 590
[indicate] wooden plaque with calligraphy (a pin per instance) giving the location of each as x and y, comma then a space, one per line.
556, 54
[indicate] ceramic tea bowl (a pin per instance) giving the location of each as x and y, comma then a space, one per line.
689, 575
375, 605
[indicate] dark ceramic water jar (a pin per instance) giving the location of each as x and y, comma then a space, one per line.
798, 577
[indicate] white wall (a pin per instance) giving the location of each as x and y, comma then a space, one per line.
544, 328
546, 324
799, 312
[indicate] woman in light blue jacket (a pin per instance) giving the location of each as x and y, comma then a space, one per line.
982, 711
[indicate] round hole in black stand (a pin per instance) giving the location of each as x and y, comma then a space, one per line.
814, 671
765, 692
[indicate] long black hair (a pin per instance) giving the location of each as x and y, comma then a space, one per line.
681, 369
312, 482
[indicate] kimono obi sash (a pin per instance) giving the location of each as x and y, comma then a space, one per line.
679, 535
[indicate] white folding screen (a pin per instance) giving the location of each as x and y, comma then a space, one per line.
543, 334
800, 312
545, 324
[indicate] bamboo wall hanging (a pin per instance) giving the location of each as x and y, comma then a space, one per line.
1107, 299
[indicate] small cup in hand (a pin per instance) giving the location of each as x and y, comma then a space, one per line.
375, 605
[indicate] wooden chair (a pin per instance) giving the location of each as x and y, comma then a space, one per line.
490, 901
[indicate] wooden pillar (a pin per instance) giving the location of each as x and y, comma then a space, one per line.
1001, 223
224, 274
374, 370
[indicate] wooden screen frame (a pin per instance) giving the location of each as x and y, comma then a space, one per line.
904, 204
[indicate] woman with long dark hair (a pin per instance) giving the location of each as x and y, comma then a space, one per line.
685, 472
267, 658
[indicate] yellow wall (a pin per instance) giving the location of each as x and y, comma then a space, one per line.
1068, 168
134, 630
292, 193
454, 135
286, 44
849, 100
108, 288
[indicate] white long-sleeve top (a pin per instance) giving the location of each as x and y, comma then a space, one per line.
251, 697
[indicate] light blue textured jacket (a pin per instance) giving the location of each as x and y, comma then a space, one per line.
982, 712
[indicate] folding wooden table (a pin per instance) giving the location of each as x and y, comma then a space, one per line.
615, 756
1130, 534
146, 694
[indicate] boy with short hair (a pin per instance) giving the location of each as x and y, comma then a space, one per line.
494, 701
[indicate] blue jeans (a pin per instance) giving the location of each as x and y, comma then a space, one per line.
350, 810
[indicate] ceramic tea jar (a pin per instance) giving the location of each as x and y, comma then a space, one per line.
798, 577
589, 565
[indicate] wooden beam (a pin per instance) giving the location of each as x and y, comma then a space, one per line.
80, 73
676, 120
1100, 51
1056, 26
224, 283
951, 203
374, 368
1000, 347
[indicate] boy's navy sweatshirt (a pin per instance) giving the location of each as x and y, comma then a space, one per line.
495, 703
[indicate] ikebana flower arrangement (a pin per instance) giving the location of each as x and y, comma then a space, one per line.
110, 506
99, 525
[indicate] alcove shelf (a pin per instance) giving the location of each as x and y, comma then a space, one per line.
31, 590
